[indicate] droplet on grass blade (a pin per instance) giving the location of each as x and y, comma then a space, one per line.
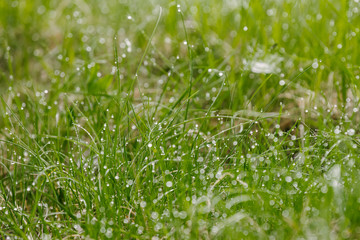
154, 215
169, 184
182, 214
315, 65
142, 204
288, 179
351, 132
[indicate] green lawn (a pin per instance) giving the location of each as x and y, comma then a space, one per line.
202, 119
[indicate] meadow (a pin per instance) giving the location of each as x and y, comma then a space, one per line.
202, 119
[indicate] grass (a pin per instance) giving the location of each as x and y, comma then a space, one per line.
179, 120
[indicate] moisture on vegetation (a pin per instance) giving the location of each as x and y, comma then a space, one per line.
202, 119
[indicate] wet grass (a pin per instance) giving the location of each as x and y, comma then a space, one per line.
179, 120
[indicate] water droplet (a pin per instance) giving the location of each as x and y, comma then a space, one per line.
142, 204
154, 215
288, 179
182, 214
351, 132
285, 213
315, 65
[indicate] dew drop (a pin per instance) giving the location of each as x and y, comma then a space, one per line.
169, 184
351, 132
142, 204
288, 179
315, 65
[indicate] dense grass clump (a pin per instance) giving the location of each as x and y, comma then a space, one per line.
197, 119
